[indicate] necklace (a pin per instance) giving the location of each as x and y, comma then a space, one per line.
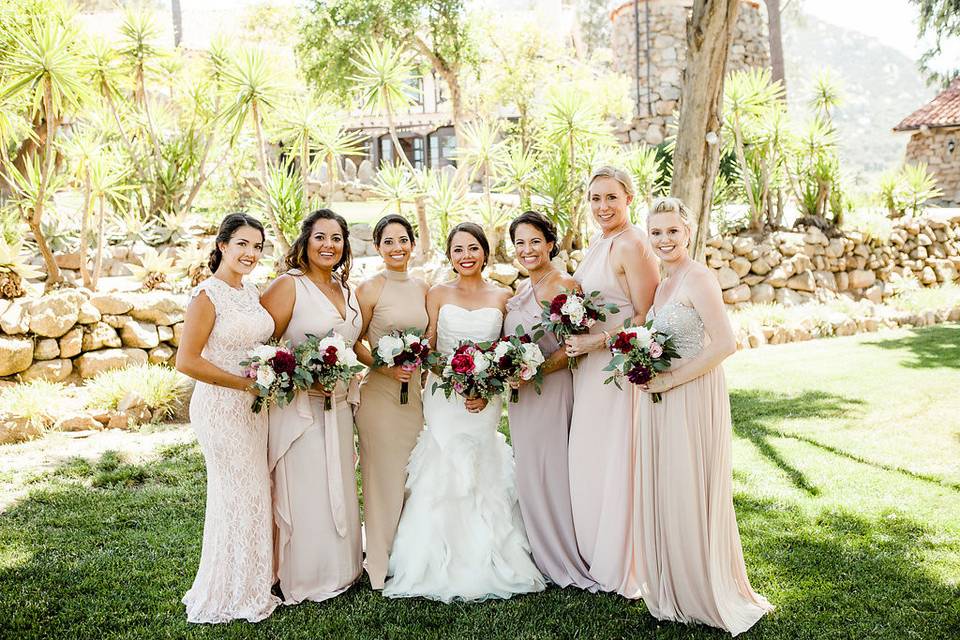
533, 285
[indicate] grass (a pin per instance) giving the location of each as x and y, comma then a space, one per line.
160, 386
917, 299
847, 489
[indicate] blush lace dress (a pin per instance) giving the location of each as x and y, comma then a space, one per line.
236, 572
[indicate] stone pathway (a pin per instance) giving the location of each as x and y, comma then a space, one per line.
23, 461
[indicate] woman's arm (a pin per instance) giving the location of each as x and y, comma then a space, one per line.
642, 274
278, 300
368, 293
197, 326
704, 292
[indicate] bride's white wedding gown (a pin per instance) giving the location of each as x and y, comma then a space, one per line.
460, 534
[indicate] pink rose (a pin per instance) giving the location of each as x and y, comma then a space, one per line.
554, 317
656, 350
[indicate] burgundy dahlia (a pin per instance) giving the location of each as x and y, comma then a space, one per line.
283, 362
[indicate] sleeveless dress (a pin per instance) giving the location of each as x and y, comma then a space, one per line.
315, 506
690, 561
388, 430
601, 460
539, 429
460, 535
236, 569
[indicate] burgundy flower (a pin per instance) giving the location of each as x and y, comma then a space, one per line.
416, 348
640, 375
330, 355
504, 362
283, 362
622, 343
525, 339
462, 364
558, 303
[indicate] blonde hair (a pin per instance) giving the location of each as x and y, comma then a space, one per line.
619, 175
671, 205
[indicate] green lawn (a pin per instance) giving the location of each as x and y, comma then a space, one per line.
847, 478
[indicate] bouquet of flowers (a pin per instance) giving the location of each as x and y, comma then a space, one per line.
405, 349
572, 313
469, 371
640, 353
518, 358
327, 361
274, 367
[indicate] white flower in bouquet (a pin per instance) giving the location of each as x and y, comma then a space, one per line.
411, 339
265, 377
447, 371
264, 352
348, 357
532, 355
642, 333
389, 347
502, 349
334, 340
573, 308
480, 362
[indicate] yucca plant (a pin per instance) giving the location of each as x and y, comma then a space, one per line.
445, 200
919, 186
109, 185
138, 35
13, 270
284, 195
396, 184
640, 161
248, 82
192, 260
826, 96
157, 269
44, 67
561, 194
384, 74
517, 171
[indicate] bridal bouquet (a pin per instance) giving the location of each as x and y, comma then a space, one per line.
469, 372
405, 349
518, 358
274, 367
639, 354
573, 313
327, 361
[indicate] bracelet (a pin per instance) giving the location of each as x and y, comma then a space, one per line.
606, 338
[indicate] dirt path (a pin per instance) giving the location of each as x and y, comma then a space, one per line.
20, 462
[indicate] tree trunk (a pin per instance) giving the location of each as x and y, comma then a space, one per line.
305, 174
776, 44
451, 75
85, 230
177, 22
331, 177
697, 154
53, 270
423, 228
98, 261
279, 238
395, 140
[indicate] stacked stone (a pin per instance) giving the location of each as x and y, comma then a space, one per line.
74, 330
797, 267
940, 149
668, 52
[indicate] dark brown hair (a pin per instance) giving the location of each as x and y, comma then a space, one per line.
474, 230
228, 227
388, 220
296, 258
539, 222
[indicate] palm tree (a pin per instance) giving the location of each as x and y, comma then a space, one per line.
482, 152
44, 67
826, 96
137, 34
108, 183
247, 80
518, 170
84, 145
396, 185
383, 76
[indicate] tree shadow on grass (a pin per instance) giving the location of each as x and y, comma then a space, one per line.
754, 412
78, 561
936, 347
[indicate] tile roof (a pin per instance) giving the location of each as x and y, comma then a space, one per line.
942, 111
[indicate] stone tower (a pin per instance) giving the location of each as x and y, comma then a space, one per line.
656, 70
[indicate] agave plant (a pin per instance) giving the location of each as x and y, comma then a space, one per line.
157, 269
919, 186
13, 270
192, 260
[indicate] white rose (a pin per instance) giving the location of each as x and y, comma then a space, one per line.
265, 377
334, 340
480, 362
389, 347
411, 339
642, 333
573, 308
532, 355
264, 352
348, 357
501, 349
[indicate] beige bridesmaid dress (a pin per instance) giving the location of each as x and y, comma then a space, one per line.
317, 549
690, 561
388, 430
601, 458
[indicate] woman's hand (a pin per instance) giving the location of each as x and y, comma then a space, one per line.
660, 384
516, 383
584, 344
398, 373
326, 393
475, 405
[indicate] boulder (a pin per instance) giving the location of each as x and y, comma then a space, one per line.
792, 298
116, 322
177, 333
740, 293
366, 172
743, 245
98, 336
349, 169
161, 355
16, 355
112, 303
762, 292
928, 276
94, 362
53, 315
76, 422
843, 281
835, 248
505, 274
874, 293
803, 281
46, 349
361, 231
165, 334
69, 260
142, 335
727, 278
761, 266
50, 370
741, 265
825, 280
88, 313
861, 278
159, 307
71, 343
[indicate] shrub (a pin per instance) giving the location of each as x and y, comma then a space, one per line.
872, 223
161, 388
917, 299
32, 400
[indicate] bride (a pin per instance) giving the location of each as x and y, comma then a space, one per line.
460, 534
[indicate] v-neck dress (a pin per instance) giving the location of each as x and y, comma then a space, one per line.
316, 511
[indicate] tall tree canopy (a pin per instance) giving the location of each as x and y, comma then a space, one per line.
941, 18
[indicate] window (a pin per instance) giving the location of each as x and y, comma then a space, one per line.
443, 147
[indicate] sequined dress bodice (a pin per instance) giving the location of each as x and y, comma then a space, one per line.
683, 323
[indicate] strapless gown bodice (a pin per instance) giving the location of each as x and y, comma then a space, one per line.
456, 324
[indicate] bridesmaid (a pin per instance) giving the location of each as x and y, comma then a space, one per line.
315, 506
540, 424
687, 542
620, 265
388, 431
224, 321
